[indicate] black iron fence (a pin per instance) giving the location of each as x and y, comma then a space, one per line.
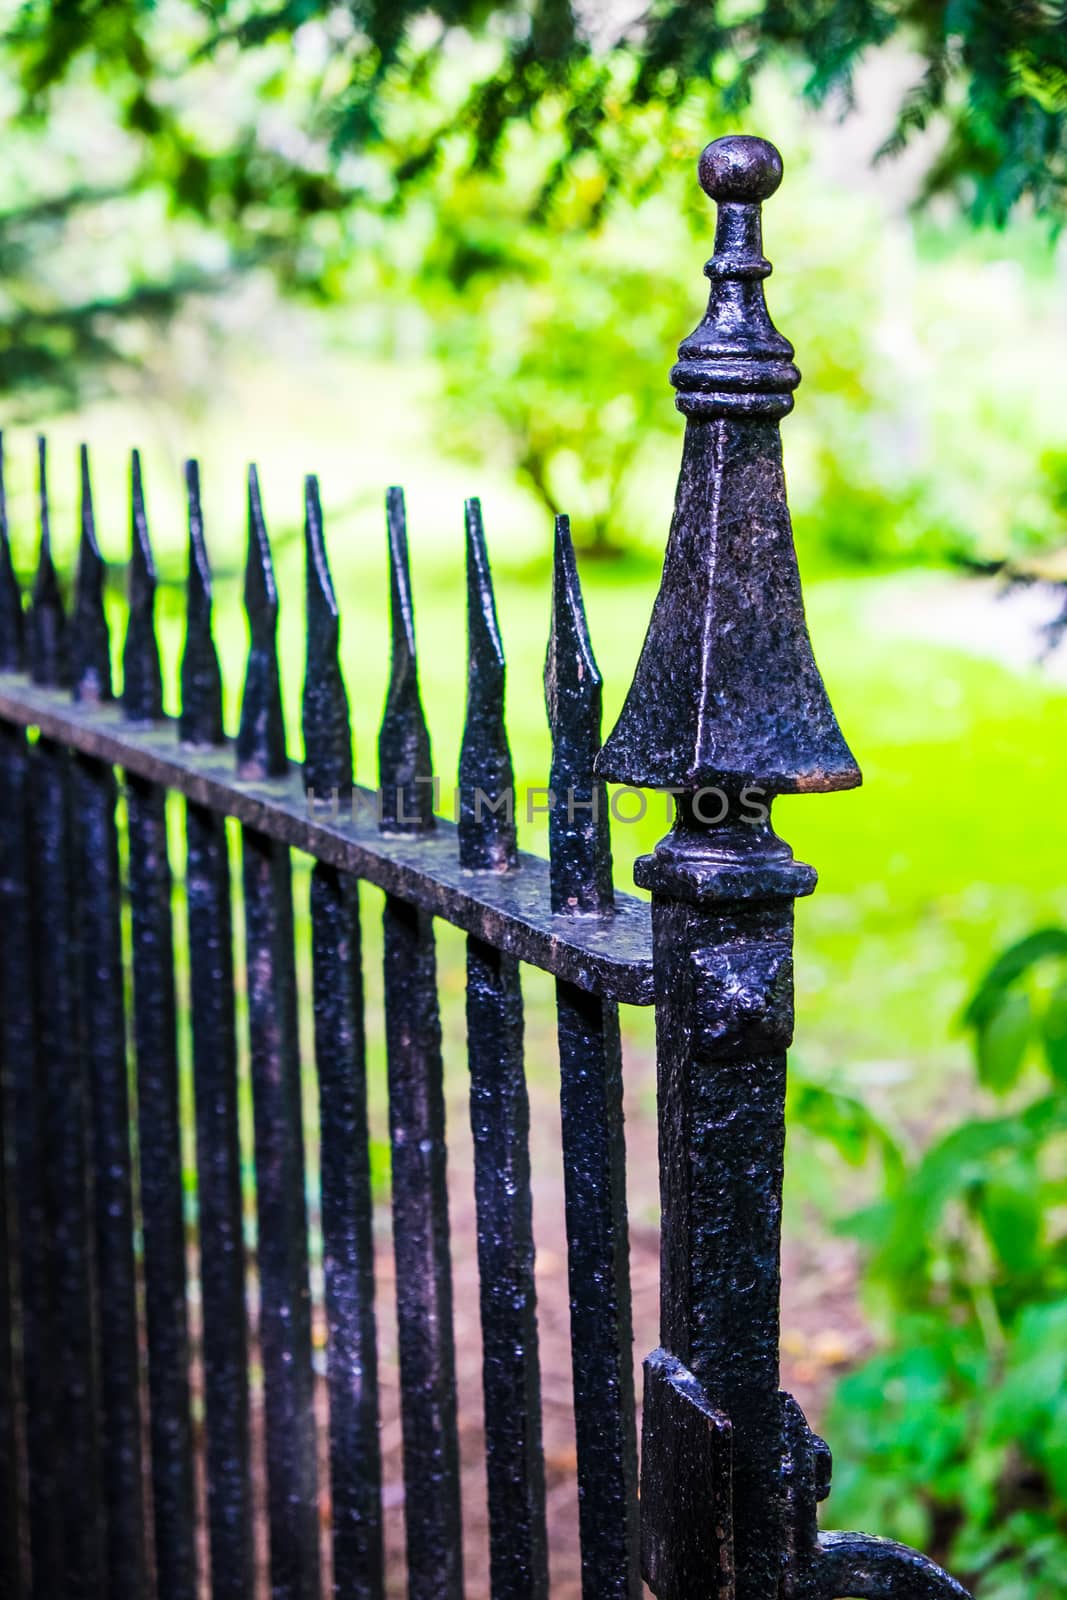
727, 709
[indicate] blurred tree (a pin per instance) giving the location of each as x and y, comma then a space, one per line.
269, 127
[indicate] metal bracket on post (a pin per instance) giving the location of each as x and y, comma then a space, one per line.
727, 702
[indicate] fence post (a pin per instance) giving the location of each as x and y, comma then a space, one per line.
728, 710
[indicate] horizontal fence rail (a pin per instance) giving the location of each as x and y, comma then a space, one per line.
192, 1375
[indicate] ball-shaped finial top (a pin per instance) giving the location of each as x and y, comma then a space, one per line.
740, 168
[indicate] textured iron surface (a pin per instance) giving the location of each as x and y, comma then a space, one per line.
95, 794
432, 1516
218, 1155
405, 764
594, 1148
103, 1022
486, 781
609, 955
281, 1205
500, 1123
579, 832
25, 1089
158, 1110
423, 1267
727, 694
340, 1060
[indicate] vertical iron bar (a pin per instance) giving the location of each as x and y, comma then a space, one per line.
417, 1131
218, 1154
500, 1123
285, 1295
104, 1030
10, 1533
155, 1037
16, 1063
340, 1056
65, 1130
594, 1152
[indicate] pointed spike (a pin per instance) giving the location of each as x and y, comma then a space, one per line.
404, 761
578, 833
90, 645
727, 693
327, 729
12, 620
261, 593
200, 722
142, 676
261, 734
48, 625
486, 780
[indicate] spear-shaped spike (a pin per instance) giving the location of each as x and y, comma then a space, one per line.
90, 645
486, 781
405, 764
12, 622
327, 730
578, 832
48, 627
727, 693
200, 722
142, 677
261, 735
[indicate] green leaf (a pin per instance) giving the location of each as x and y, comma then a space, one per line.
1009, 967
844, 1122
1003, 1035
1011, 1209
1054, 1034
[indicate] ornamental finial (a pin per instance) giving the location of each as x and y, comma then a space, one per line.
726, 692
736, 362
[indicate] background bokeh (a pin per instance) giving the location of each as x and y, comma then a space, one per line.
453, 330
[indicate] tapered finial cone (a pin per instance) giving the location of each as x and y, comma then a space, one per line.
727, 692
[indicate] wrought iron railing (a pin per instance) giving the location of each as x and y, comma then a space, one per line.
727, 710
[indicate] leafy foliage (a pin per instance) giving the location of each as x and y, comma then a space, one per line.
954, 1437
270, 129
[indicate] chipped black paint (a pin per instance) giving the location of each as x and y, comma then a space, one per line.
65, 1143
433, 1521
270, 965
594, 1148
340, 1060
500, 1126
24, 1089
347, 1237
500, 1121
95, 793
159, 1129
285, 1295
218, 1155
727, 693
